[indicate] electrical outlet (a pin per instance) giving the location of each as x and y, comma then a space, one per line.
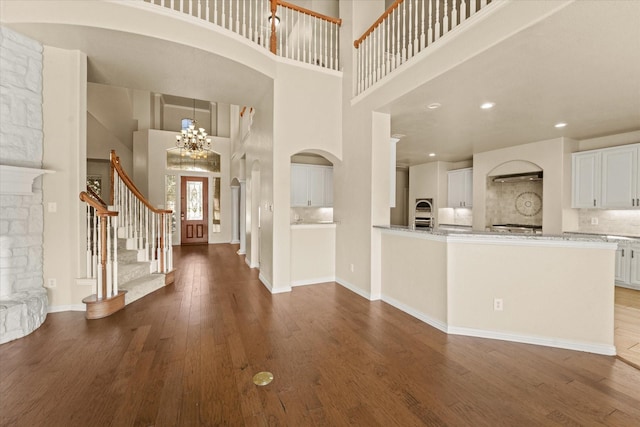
52, 207
351, 267
594, 221
51, 283
497, 304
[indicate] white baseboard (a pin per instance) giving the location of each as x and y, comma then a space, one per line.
235, 242
604, 349
70, 307
353, 288
270, 287
240, 252
438, 324
313, 281
607, 350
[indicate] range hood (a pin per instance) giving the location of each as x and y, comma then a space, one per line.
519, 177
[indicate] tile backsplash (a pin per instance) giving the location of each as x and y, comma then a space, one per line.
311, 215
514, 203
622, 222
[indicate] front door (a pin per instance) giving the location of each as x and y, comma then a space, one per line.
194, 209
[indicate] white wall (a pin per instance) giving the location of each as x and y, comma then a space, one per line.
548, 155
65, 78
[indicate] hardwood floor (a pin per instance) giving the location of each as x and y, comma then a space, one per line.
627, 325
186, 354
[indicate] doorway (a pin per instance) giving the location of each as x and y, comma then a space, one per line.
194, 210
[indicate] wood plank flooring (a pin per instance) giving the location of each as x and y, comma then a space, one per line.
627, 325
186, 354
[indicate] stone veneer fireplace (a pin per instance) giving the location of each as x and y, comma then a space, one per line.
23, 299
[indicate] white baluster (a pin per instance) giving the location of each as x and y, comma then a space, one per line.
99, 265
472, 8
463, 11
483, 3
237, 17
96, 234
445, 18
416, 40
404, 32
88, 250
437, 34
454, 14
109, 260
146, 234
422, 35
407, 30
115, 257
223, 17
207, 10
337, 33
215, 12
200, 14
430, 31
172, 5
392, 44
244, 19
298, 38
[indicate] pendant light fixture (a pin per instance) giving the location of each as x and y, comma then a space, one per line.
193, 140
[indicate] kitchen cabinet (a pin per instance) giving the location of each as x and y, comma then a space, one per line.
627, 265
311, 185
608, 178
460, 188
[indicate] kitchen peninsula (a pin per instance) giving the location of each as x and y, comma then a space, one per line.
547, 290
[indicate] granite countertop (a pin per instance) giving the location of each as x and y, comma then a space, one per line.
506, 236
611, 237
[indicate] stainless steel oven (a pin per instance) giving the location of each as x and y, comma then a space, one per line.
423, 217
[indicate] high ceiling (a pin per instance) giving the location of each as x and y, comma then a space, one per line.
580, 66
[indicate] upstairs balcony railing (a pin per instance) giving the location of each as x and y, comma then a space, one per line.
404, 30
285, 29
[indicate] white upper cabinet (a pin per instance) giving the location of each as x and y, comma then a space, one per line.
586, 180
311, 185
607, 178
619, 177
460, 188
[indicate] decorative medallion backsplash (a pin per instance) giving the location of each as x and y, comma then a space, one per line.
514, 203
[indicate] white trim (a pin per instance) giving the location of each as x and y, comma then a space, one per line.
270, 287
246, 261
438, 324
604, 349
353, 288
17, 180
313, 281
312, 226
235, 242
69, 307
241, 252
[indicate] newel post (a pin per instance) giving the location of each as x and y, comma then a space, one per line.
273, 40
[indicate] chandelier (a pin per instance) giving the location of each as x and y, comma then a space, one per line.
192, 139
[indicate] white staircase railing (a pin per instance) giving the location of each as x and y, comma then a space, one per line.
130, 217
406, 28
145, 228
285, 29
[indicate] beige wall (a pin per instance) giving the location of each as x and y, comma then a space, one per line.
548, 155
65, 78
313, 254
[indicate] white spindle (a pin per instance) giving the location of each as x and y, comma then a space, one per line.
99, 263
483, 3
454, 14
94, 251
115, 256
445, 18
146, 235
325, 38
244, 19
472, 8
437, 34
404, 32
207, 10
430, 31
463, 11
215, 12
408, 31
298, 37
223, 17
109, 289
88, 250
422, 36
416, 40
237, 17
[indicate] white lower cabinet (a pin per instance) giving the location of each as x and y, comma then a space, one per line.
628, 265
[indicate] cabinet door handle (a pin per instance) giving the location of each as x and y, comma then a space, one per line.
633, 202
623, 252
594, 202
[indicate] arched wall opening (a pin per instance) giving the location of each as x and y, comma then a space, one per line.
514, 197
312, 186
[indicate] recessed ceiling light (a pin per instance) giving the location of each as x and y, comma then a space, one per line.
560, 125
488, 105
434, 106
432, 154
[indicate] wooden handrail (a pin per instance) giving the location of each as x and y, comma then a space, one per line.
379, 21
95, 196
337, 21
100, 209
115, 165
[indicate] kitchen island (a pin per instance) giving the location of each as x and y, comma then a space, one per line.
555, 291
